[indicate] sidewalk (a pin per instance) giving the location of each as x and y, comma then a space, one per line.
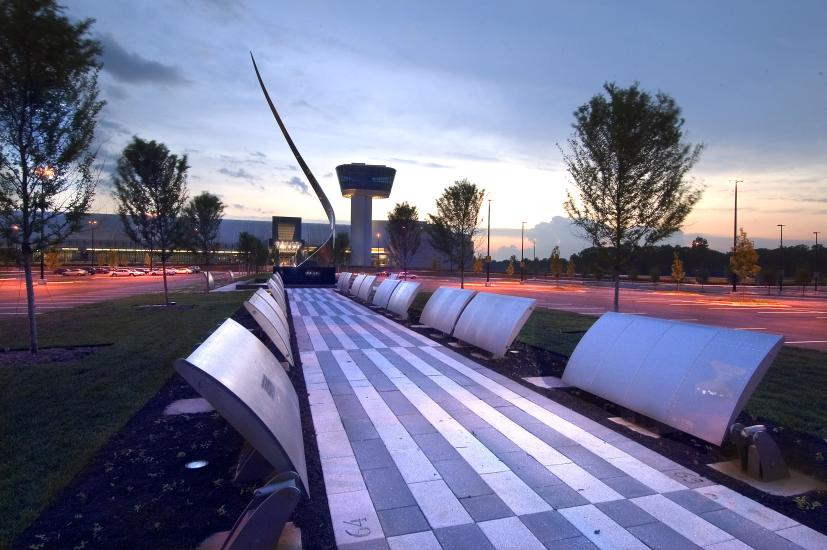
423, 448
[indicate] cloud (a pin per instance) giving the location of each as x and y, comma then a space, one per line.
299, 185
418, 163
239, 173
114, 127
258, 154
131, 67
328, 175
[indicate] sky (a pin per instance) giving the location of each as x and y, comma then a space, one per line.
445, 90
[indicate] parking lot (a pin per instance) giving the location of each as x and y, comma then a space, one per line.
64, 292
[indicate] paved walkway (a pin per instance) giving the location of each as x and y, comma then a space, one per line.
423, 448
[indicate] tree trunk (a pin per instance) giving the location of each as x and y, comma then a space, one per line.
164, 273
27, 269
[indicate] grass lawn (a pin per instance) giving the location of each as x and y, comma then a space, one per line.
791, 394
54, 417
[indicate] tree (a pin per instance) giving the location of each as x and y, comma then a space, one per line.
456, 221
702, 276
556, 265
654, 275
151, 190
340, 252
114, 258
404, 234
744, 259
629, 164
48, 110
201, 220
570, 269
509, 269
803, 277
254, 252
700, 243
478, 264
678, 274
52, 259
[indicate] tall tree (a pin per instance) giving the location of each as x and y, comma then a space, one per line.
254, 252
678, 274
744, 259
201, 220
48, 110
457, 217
404, 234
151, 190
556, 266
629, 164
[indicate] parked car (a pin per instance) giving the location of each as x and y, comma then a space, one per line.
75, 272
140, 271
102, 269
121, 272
406, 275
383, 274
61, 270
195, 268
183, 270
157, 272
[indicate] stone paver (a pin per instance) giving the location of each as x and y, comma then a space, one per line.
423, 448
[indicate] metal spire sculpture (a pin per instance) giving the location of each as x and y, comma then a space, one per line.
331, 216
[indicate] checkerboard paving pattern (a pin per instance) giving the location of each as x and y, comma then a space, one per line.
423, 448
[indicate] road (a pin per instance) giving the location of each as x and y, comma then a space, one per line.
64, 292
802, 321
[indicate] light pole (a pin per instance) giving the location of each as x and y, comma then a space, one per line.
92, 224
488, 249
735, 234
522, 253
535, 257
781, 250
378, 235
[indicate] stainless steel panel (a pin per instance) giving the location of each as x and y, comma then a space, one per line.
696, 378
492, 321
383, 294
344, 281
268, 315
444, 308
402, 298
242, 380
278, 294
367, 285
357, 283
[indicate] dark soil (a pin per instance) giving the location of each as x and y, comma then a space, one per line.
803, 452
136, 492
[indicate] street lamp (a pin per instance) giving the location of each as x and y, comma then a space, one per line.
522, 254
535, 257
488, 249
781, 248
92, 224
378, 235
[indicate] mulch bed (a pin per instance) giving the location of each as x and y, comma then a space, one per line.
136, 492
803, 452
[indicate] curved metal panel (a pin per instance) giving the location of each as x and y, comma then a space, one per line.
242, 380
444, 308
277, 284
696, 378
492, 321
367, 285
383, 294
393, 275
277, 294
357, 284
344, 282
328, 209
210, 280
265, 315
273, 303
402, 298
277, 277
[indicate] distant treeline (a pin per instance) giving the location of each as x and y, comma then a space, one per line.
696, 260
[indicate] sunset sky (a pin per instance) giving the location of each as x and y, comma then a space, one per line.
479, 90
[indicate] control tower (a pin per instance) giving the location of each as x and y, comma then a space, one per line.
361, 183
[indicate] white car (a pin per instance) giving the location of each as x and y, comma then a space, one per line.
183, 270
121, 272
75, 272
